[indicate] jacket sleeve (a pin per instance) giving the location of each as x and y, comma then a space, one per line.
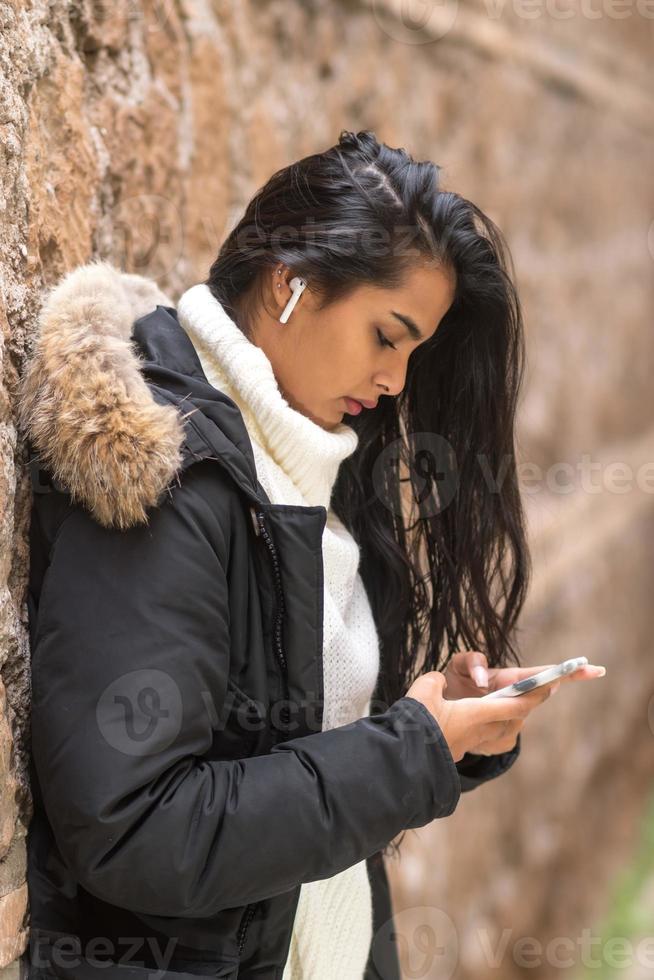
476, 769
131, 644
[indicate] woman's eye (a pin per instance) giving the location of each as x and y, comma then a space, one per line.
383, 342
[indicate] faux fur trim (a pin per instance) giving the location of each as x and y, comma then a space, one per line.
84, 403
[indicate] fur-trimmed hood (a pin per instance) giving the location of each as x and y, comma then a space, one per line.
99, 401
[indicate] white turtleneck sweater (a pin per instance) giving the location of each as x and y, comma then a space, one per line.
297, 463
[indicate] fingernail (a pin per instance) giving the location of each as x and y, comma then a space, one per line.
480, 676
600, 671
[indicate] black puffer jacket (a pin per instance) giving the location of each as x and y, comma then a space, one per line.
183, 788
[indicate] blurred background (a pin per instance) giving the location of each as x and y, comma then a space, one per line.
137, 130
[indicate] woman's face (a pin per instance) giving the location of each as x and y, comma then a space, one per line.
321, 357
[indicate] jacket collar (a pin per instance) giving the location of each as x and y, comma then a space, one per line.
115, 402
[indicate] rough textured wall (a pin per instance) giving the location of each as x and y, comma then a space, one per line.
136, 131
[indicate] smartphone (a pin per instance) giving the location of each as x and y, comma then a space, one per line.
537, 680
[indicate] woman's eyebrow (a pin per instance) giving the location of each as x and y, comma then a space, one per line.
411, 325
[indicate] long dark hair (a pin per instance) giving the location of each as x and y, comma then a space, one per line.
456, 577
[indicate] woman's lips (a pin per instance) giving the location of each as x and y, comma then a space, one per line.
353, 407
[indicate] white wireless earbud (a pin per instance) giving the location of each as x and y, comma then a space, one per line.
298, 286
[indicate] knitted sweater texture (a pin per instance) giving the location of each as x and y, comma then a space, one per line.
297, 463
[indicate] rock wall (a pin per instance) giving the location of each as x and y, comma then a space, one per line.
137, 130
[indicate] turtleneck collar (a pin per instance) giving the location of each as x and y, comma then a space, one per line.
309, 454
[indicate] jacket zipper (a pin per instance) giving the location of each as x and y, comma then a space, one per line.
247, 919
262, 531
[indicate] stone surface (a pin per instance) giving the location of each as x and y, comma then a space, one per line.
137, 130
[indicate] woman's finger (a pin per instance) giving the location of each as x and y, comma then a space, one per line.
476, 666
587, 673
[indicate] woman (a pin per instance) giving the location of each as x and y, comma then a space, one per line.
235, 628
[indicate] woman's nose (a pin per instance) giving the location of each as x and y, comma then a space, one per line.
393, 385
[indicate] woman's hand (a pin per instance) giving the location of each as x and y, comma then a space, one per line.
483, 727
469, 666
471, 724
